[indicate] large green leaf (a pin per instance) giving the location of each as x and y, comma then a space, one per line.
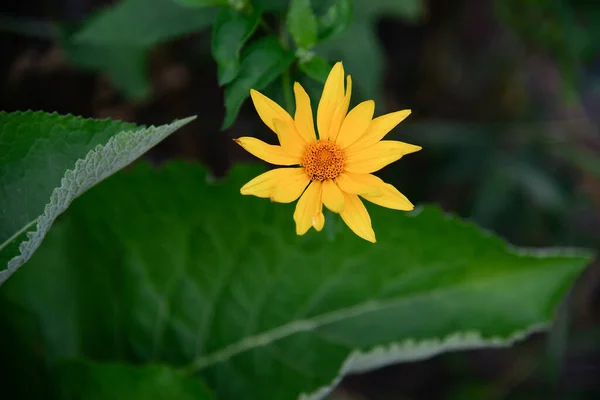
192, 273
91, 381
143, 23
48, 160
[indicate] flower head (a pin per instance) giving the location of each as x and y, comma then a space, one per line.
333, 169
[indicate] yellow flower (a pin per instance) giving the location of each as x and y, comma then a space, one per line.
334, 169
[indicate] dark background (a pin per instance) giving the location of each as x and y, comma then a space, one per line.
506, 104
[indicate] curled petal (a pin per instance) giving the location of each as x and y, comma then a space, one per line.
390, 198
318, 220
333, 198
356, 123
304, 117
307, 207
356, 216
290, 188
264, 184
377, 156
378, 128
267, 152
362, 184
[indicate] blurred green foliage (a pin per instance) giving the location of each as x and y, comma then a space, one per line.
569, 30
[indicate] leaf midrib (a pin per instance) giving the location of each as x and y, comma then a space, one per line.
307, 325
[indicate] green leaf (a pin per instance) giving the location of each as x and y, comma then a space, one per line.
302, 23
262, 62
186, 271
336, 20
230, 32
94, 381
317, 68
143, 23
48, 160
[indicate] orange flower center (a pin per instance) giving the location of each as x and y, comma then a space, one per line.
323, 160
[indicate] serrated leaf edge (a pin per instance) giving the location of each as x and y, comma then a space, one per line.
415, 350
119, 151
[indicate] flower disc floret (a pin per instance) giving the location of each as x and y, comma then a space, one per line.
323, 160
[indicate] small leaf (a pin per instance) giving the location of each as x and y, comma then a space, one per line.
317, 68
302, 23
230, 32
262, 62
48, 160
336, 20
96, 381
181, 270
143, 23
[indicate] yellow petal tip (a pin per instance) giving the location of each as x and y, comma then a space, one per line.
368, 237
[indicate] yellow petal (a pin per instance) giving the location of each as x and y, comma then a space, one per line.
304, 117
331, 98
307, 207
340, 112
289, 138
391, 198
333, 198
268, 110
377, 156
356, 123
363, 184
264, 184
268, 152
290, 188
318, 220
378, 128
357, 218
